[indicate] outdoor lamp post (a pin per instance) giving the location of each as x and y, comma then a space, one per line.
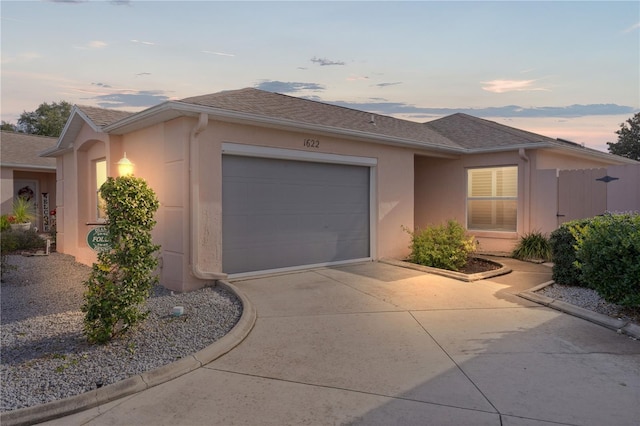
125, 167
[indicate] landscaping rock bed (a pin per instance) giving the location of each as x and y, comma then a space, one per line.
45, 356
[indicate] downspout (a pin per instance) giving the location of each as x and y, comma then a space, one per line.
527, 190
194, 184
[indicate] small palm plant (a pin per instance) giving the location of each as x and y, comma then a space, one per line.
23, 211
533, 246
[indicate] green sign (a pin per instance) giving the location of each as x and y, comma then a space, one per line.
98, 239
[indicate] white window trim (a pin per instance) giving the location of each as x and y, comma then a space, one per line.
469, 198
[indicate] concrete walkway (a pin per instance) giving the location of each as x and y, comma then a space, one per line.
376, 344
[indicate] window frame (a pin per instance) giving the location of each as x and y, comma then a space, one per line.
494, 227
99, 213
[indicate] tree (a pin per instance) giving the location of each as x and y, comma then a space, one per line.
47, 120
8, 126
628, 144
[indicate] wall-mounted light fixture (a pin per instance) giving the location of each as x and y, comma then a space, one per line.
125, 167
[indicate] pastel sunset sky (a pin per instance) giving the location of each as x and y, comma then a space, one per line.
566, 70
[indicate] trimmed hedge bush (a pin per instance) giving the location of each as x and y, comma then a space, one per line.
121, 280
563, 253
608, 257
445, 246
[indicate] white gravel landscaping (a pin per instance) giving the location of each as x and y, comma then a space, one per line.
45, 356
590, 299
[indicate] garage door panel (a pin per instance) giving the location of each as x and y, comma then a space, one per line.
282, 213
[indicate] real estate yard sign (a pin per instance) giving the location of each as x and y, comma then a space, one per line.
98, 239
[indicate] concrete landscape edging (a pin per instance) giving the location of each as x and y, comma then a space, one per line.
451, 274
73, 404
618, 325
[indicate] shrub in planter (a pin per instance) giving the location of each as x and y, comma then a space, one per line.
608, 257
563, 253
445, 246
533, 246
122, 278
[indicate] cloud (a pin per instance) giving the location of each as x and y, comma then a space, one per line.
143, 98
632, 28
106, 86
287, 86
503, 86
22, 57
387, 84
357, 77
397, 108
217, 53
142, 74
148, 43
323, 62
95, 44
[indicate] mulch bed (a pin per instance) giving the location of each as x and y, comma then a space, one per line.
475, 265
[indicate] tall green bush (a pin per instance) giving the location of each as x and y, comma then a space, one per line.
122, 278
563, 253
608, 257
445, 246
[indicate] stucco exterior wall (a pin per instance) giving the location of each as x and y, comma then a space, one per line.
161, 155
440, 194
392, 186
547, 159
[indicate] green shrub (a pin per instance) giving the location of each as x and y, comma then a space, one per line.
608, 257
563, 253
122, 278
533, 246
445, 246
4, 222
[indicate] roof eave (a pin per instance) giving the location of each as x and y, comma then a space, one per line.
70, 132
577, 151
174, 109
28, 167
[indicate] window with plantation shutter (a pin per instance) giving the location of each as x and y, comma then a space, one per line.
492, 199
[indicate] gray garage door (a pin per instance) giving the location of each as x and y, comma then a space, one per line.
284, 213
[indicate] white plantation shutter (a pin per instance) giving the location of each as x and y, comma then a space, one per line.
492, 198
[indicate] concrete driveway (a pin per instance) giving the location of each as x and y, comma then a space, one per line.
376, 344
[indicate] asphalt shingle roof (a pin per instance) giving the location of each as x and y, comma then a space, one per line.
476, 133
102, 116
23, 149
278, 106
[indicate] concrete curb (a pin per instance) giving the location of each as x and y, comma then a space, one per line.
451, 274
620, 326
64, 407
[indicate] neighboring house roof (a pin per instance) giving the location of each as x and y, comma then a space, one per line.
452, 135
21, 151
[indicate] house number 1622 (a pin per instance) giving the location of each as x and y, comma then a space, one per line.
311, 143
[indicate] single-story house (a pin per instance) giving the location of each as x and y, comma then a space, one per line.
252, 181
25, 173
